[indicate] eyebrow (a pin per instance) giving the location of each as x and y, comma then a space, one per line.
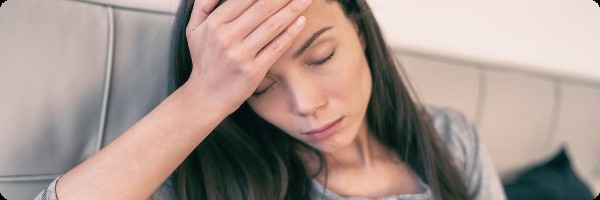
310, 41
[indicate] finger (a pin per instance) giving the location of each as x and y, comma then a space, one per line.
200, 11
231, 10
256, 15
276, 24
268, 55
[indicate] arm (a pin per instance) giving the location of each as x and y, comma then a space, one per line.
144, 156
136, 163
224, 75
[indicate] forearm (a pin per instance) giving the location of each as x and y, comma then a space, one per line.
136, 163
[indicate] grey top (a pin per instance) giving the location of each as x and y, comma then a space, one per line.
462, 141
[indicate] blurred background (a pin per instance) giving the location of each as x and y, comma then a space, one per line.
527, 73
75, 74
556, 37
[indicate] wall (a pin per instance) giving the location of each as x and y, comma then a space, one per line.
555, 37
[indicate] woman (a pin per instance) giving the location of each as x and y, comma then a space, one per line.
285, 100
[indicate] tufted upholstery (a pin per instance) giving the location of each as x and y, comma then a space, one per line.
522, 116
76, 74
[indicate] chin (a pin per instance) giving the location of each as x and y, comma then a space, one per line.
333, 144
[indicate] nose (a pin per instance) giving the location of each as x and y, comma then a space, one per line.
306, 97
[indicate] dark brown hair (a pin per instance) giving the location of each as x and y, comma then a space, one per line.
246, 157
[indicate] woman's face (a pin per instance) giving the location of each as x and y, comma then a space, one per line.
318, 91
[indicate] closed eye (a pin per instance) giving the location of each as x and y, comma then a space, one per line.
323, 61
259, 93
318, 63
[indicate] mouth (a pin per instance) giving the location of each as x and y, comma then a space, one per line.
325, 130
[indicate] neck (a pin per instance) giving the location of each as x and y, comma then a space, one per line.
362, 153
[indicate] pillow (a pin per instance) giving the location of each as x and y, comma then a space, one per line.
554, 179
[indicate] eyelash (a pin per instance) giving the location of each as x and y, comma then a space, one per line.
321, 62
258, 94
318, 63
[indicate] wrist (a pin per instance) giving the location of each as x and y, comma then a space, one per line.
204, 101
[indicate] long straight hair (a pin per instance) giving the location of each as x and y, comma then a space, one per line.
246, 157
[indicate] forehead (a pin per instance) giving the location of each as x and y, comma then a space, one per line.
321, 9
320, 14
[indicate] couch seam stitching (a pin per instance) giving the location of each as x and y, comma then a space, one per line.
108, 79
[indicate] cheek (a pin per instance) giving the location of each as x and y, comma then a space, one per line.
365, 78
353, 80
362, 75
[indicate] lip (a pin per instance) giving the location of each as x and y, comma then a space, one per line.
325, 130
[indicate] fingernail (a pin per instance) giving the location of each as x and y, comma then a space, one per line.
300, 21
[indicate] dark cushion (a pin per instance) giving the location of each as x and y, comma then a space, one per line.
554, 179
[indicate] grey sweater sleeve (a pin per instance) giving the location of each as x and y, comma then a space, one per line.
470, 154
164, 192
49, 193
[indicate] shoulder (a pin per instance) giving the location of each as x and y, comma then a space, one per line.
459, 135
469, 153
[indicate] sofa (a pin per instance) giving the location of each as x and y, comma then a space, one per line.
524, 117
75, 74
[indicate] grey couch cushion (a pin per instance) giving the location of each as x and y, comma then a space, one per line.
53, 61
74, 75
